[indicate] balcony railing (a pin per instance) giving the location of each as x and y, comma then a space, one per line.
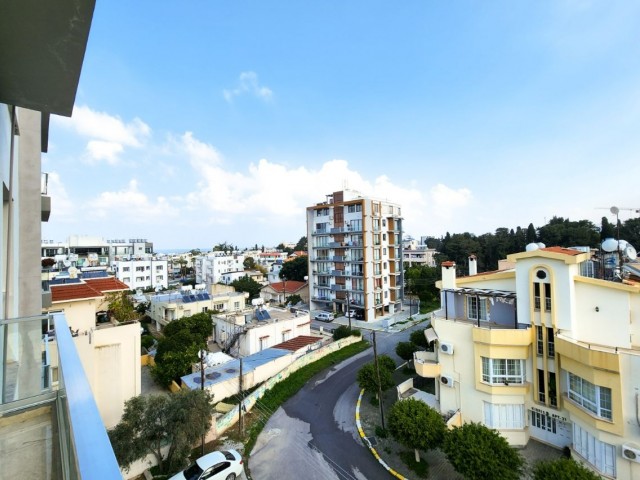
339, 258
79, 447
337, 287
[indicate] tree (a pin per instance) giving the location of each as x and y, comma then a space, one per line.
48, 262
249, 263
480, 453
368, 379
419, 339
153, 421
416, 425
195, 252
284, 248
405, 350
531, 234
607, 229
247, 284
301, 246
198, 325
174, 357
295, 269
562, 469
294, 299
120, 307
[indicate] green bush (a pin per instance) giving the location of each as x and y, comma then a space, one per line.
355, 332
147, 341
381, 432
341, 332
562, 469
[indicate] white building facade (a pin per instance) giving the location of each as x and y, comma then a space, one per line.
211, 267
142, 273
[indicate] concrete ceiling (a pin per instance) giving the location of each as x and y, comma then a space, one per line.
42, 46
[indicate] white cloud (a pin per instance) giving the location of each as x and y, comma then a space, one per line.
62, 208
108, 135
248, 84
445, 200
130, 204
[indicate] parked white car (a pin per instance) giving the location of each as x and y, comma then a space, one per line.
221, 465
324, 317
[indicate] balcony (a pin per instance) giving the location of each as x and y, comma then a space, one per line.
339, 258
336, 288
48, 405
426, 364
335, 244
338, 230
45, 199
321, 299
338, 273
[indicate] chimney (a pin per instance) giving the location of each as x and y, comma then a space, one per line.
473, 265
448, 274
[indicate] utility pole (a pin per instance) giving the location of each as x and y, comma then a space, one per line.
375, 359
348, 316
241, 405
202, 354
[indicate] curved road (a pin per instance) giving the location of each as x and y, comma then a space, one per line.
313, 435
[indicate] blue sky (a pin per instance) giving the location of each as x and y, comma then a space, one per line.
201, 122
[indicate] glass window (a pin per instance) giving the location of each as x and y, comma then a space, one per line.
476, 308
593, 398
602, 456
551, 346
539, 341
504, 416
503, 371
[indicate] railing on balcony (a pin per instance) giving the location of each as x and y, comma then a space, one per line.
321, 299
337, 287
80, 447
335, 244
339, 258
338, 273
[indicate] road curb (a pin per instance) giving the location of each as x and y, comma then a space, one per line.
368, 443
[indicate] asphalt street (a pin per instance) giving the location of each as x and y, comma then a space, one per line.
313, 435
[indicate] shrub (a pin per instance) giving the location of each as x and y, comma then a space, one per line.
341, 332
147, 341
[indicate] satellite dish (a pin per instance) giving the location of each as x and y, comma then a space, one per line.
614, 210
532, 247
610, 245
66, 263
630, 252
622, 244
541, 245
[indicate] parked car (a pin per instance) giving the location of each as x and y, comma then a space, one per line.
324, 317
350, 314
220, 465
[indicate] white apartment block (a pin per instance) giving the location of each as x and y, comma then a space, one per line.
92, 251
355, 255
419, 255
143, 273
541, 351
211, 266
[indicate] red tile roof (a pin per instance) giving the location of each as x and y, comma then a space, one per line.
73, 291
289, 285
448, 264
564, 251
109, 284
297, 343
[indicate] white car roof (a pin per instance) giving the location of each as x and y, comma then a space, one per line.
210, 459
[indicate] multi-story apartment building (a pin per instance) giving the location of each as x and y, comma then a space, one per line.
87, 250
541, 351
211, 266
355, 255
50, 426
142, 273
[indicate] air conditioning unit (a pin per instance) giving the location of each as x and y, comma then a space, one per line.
631, 452
446, 380
446, 348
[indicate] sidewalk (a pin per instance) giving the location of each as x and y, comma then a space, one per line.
396, 322
389, 450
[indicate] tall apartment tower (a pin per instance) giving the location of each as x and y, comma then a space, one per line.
355, 255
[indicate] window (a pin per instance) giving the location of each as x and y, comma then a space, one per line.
126, 279
139, 269
544, 422
354, 208
504, 416
205, 309
536, 296
159, 268
264, 343
600, 455
553, 398
593, 398
541, 386
476, 308
219, 306
547, 297
551, 346
125, 269
539, 341
502, 371
236, 305
159, 277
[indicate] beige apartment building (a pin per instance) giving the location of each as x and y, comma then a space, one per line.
355, 255
541, 350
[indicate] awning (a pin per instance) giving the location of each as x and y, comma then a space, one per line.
431, 335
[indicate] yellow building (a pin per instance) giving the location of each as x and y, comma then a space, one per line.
109, 350
540, 351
